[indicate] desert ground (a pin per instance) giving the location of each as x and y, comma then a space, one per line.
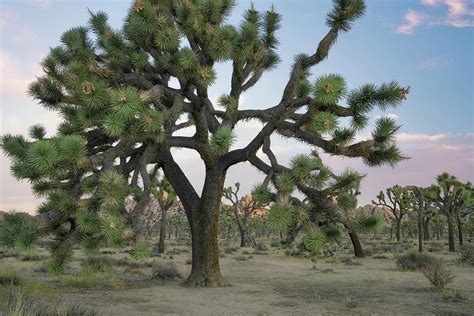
263, 282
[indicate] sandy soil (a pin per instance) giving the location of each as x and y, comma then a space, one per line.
274, 284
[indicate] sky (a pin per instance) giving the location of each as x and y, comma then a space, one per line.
425, 44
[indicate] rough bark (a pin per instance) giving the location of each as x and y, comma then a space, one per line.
358, 251
452, 247
161, 248
205, 271
397, 230
459, 226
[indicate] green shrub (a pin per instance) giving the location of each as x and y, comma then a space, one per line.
437, 274
412, 261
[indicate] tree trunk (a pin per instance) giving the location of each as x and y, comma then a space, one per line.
452, 247
426, 233
204, 220
358, 251
420, 231
292, 233
459, 226
397, 230
161, 246
242, 237
437, 232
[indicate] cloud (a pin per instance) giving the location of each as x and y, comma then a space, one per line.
434, 63
412, 19
456, 13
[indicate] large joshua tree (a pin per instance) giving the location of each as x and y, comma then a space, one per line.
122, 114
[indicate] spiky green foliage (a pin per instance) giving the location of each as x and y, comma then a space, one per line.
126, 103
140, 251
369, 223
42, 156
15, 147
344, 13
72, 148
18, 230
221, 140
112, 189
316, 241
285, 183
324, 122
37, 131
332, 232
261, 194
88, 221
329, 89
280, 216
302, 166
300, 215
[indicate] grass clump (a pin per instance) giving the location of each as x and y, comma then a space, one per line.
412, 261
437, 274
89, 278
165, 271
19, 304
98, 263
9, 276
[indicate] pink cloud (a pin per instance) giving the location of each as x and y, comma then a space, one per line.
457, 13
7, 16
412, 19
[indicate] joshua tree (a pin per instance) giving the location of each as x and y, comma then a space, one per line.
422, 206
451, 196
124, 94
164, 194
399, 203
352, 221
241, 210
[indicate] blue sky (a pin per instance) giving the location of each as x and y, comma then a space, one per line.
426, 44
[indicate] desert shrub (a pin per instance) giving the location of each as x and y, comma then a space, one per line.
240, 258
466, 255
412, 261
98, 263
435, 246
437, 274
260, 246
10, 276
88, 278
245, 252
165, 271
275, 243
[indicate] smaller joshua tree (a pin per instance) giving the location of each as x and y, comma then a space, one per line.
166, 197
354, 222
451, 197
241, 210
422, 206
399, 201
